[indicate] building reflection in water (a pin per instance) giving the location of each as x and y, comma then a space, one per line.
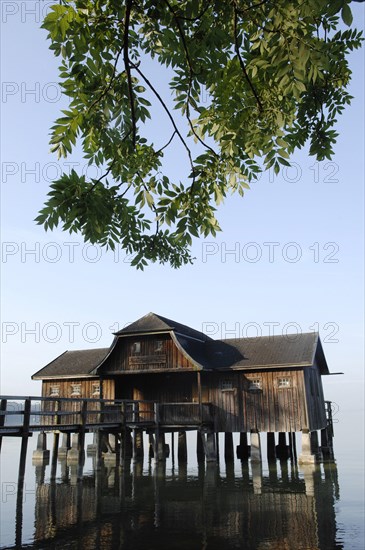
135, 507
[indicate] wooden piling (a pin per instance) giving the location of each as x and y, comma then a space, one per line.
228, 446
314, 441
41, 453
306, 456
282, 449
65, 445
210, 447
56, 437
243, 449
199, 446
137, 444
271, 451
255, 446
182, 451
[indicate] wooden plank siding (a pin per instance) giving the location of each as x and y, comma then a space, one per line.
65, 387
124, 359
266, 409
315, 398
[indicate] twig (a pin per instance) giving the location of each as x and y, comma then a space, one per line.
128, 69
237, 49
107, 88
150, 85
191, 72
167, 144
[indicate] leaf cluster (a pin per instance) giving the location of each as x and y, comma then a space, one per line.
252, 80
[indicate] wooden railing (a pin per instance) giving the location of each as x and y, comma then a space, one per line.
21, 415
55, 413
185, 414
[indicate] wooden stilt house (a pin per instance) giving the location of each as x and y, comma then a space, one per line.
264, 384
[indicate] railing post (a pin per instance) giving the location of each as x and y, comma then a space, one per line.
2, 416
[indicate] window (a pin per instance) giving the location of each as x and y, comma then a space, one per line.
54, 391
284, 382
136, 348
75, 389
96, 389
226, 385
158, 345
255, 384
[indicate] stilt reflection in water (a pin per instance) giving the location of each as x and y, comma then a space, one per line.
151, 505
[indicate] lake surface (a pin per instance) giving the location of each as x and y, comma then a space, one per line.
183, 506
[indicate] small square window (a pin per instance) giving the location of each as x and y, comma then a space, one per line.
226, 385
136, 348
284, 383
255, 384
96, 389
158, 345
75, 389
54, 391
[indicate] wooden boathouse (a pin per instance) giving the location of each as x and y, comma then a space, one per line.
269, 384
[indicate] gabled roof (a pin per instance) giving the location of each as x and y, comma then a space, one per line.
295, 350
72, 363
266, 352
152, 322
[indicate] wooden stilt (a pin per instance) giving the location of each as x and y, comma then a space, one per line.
182, 452
65, 445
210, 447
271, 452
228, 446
41, 453
243, 449
199, 447
306, 456
282, 449
56, 437
137, 444
255, 447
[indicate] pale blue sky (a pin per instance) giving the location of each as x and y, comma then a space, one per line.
75, 302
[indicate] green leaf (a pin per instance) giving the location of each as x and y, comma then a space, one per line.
346, 15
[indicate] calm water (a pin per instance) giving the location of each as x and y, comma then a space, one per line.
174, 506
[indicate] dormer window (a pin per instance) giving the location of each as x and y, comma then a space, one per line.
75, 390
226, 385
284, 382
158, 345
136, 348
255, 384
96, 389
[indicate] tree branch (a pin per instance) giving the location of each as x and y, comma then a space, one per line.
127, 66
167, 144
150, 85
107, 88
237, 49
193, 19
191, 72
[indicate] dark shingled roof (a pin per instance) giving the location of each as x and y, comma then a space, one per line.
72, 363
156, 323
266, 352
261, 352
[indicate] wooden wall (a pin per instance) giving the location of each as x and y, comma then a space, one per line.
315, 398
124, 358
266, 409
237, 406
65, 390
